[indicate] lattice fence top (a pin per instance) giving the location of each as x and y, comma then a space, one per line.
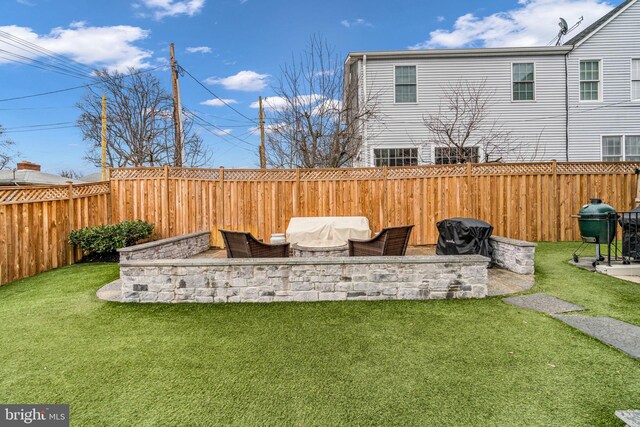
598, 168
56, 192
480, 169
484, 169
426, 171
125, 173
206, 174
259, 175
83, 190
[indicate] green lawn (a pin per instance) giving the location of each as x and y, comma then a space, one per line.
474, 362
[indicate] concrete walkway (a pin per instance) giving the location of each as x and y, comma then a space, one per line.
543, 303
621, 335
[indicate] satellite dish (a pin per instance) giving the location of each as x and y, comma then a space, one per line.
564, 27
564, 30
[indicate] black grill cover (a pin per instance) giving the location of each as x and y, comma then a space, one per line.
630, 220
630, 223
464, 236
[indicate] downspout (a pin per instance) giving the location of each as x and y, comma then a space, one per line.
566, 105
365, 144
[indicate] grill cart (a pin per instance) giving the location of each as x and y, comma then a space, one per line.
597, 222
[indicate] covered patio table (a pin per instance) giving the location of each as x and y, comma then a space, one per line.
334, 228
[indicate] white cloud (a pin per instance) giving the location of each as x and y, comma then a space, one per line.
109, 47
246, 81
222, 132
199, 49
532, 23
440, 18
316, 103
164, 8
359, 22
271, 103
277, 103
25, 2
215, 102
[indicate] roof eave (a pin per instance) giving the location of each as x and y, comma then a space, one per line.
462, 53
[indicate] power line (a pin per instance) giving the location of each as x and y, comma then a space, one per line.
76, 87
29, 46
39, 125
31, 62
40, 129
211, 92
199, 121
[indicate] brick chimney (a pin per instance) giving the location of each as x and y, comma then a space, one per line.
28, 166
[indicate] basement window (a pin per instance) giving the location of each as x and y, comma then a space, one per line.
453, 155
396, 156
613, 149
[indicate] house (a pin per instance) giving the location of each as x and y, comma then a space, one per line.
27, 173
576, 102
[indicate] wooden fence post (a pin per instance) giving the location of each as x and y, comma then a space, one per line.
468, 209
109, 198
222, 195
71, 223
166, 218
556, 200
385, 198
298, 207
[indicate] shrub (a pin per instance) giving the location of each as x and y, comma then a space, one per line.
105, 239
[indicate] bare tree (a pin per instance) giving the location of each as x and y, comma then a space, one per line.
7, 150
69, 173
312, 123
139, 122
463, 129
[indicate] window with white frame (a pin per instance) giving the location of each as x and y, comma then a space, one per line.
635, 79
618, 148
396, 156
632, 148
523, 82
589, 80
406, 86
612, 148
454, 155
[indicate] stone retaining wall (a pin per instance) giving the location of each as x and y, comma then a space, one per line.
513, 255
304, 279
182, 246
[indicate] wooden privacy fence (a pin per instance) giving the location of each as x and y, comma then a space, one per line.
529, 201
35, 223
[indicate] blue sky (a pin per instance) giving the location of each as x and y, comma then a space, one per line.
237, 47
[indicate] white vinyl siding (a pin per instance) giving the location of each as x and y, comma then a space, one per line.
615, 45
406, 84
635, 79
523, 80
589, 80
402, 124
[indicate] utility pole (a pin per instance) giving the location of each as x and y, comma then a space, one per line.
104, 138
263, 154
178, 155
